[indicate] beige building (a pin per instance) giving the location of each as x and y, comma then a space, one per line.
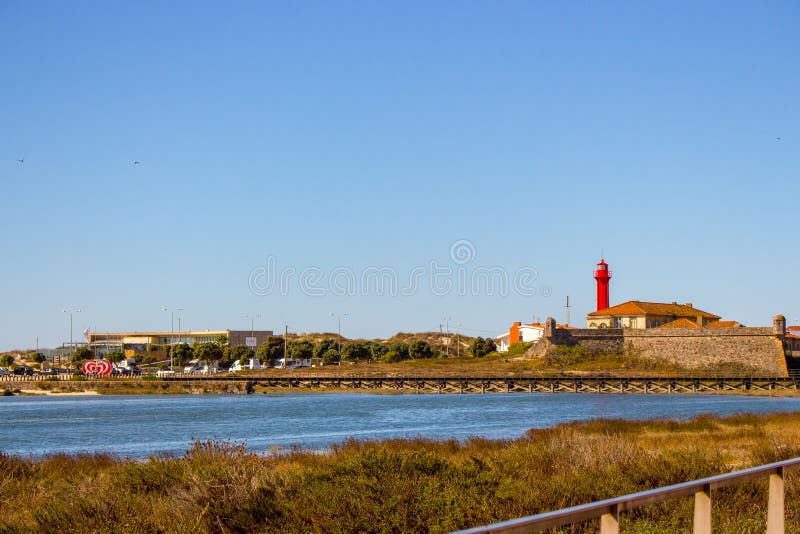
638, 314
130, 342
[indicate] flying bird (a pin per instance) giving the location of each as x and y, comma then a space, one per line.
136, 163
21, 160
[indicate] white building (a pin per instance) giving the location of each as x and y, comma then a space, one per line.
519, 333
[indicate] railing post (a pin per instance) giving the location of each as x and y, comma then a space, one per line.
702, 511
609, 523
775, 510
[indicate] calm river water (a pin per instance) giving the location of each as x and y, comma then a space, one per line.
138, 426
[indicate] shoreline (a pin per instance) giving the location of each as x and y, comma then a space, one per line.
109, 392
409, 484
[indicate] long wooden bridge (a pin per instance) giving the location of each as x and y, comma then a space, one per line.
486, 384
521, 384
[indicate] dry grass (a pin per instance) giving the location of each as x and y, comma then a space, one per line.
406, 485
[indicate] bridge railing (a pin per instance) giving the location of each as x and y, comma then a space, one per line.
607, 511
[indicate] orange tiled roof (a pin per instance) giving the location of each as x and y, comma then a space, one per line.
637, 307
724, 324
540, 325
683, 322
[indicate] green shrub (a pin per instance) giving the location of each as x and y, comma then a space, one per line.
519, 348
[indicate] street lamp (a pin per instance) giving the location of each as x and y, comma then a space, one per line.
339, 321
458, 341
70, 313
447, 334
172, 311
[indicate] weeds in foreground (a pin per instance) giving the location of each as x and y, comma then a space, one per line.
406, 485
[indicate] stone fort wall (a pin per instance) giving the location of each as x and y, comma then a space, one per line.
759, 348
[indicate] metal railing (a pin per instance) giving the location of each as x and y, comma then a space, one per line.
608, 510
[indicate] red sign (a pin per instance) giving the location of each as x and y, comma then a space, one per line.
97, 367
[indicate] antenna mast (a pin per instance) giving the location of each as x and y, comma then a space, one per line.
567, 306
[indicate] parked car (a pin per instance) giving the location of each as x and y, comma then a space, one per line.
4, 372
23, 370
194, 366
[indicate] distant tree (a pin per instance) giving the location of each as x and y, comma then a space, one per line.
115, 356
208, 352
330, 357
324, 346
146, 358
420, 349
6, 360
181, 354
80, 355
378, 349
356, 351
241, 354
271, 350
396, 352
301, 350
38, 357
482, 346
226, 359
221, 340
401, 349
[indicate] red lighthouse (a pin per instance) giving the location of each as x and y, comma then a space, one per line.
602, 275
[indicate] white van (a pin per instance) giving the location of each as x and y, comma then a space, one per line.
194, 367
252, 365
292, 364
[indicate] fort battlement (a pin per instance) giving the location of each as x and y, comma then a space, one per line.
761, 348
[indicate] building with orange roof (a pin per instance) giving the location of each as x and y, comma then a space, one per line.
683, 322
521, 333
725, 324
793, 339
640, 314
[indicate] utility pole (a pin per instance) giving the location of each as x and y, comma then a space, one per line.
70, 312
286, 343
339, 319
441, 338
458, 341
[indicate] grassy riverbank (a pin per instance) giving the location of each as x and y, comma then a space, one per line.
400, 485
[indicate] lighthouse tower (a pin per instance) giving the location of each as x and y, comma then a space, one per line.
602, 275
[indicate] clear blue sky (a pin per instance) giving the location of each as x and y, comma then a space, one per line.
353, 135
